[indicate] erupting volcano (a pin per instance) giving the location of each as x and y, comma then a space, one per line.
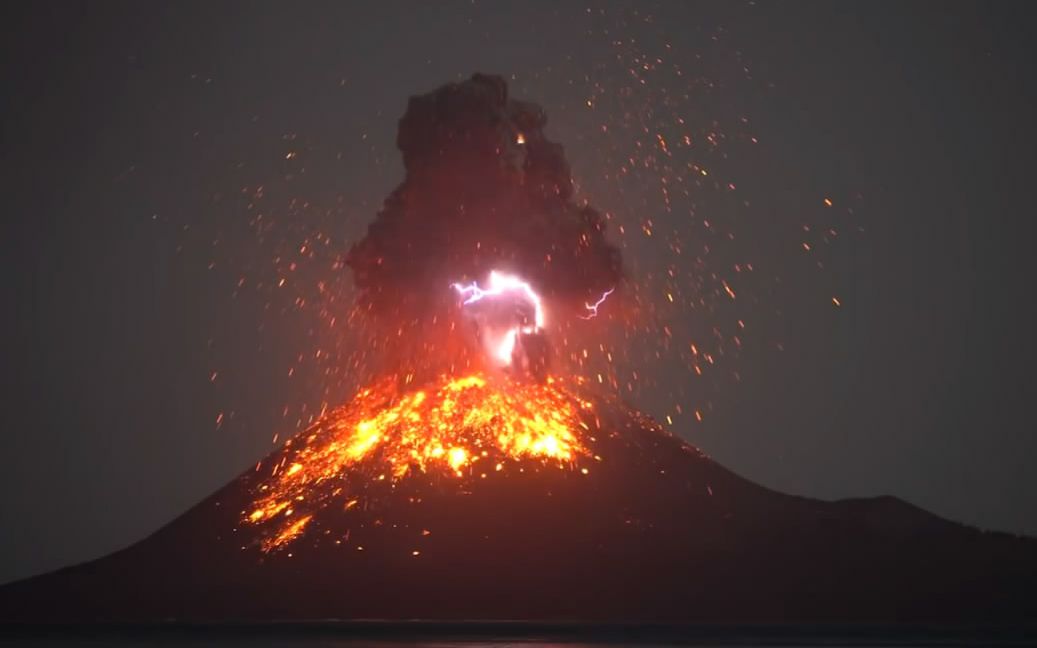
467, 427
482, 476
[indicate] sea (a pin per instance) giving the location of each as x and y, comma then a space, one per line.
504, 635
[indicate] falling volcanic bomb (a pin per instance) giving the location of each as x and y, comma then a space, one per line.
462, 485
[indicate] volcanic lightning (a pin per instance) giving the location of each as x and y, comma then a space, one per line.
592, 309
502, 335
499, 284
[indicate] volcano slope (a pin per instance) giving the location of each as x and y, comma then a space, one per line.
621, 522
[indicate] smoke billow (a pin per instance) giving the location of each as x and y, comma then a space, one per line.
484, 189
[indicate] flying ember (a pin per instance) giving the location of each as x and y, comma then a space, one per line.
463, 427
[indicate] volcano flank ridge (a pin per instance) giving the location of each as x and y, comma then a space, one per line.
655, 532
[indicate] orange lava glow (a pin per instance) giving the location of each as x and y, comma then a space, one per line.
460, 427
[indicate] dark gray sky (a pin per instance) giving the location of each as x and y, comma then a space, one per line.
130, 130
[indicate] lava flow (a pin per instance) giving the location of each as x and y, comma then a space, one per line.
467, 427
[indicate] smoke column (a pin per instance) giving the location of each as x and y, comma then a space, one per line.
484, 189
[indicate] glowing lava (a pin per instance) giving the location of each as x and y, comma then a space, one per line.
459, 427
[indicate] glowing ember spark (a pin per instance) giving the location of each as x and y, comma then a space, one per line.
446, 428
501, 343
593, 308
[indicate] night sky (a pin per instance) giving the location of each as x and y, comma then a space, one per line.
135, 137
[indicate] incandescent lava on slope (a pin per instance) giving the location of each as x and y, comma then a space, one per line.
466, 428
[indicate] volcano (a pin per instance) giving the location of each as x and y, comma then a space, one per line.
481, 498
470, 479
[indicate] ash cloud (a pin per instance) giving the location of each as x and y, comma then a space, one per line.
484, 189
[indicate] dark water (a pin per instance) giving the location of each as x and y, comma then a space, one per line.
347, 643
502, 635
285, 642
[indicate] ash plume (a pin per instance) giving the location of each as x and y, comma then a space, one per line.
484, 189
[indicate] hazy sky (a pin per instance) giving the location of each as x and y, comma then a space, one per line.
131, 129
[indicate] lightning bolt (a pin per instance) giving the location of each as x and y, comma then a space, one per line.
593, 308
500, 284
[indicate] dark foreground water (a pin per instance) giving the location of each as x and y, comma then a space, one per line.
499, 635
280, 643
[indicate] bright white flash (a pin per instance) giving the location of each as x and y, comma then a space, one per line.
502, 284
500, 336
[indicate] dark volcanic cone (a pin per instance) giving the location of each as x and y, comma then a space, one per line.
654, 531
